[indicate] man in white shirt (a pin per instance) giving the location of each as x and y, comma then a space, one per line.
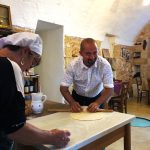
91, 76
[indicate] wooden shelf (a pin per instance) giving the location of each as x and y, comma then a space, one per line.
34, 79
139, 61
4, 32
138, 48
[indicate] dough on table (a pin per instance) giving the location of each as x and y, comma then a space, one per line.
88, 116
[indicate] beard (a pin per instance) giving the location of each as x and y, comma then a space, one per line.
90, 63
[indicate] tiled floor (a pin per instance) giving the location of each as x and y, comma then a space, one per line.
140, 137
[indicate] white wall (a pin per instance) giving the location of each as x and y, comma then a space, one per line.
84, 18
51, 69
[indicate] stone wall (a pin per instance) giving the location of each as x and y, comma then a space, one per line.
122, 62
125, 69
144, 61
72, 47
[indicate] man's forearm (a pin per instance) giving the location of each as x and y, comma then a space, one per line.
66, 94
30, 135
105, 95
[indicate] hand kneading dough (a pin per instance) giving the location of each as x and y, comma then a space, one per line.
88, 116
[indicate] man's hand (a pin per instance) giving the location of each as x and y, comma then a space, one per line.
75, 107
93, 107
60, 138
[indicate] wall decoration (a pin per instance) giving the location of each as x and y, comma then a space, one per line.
125, 54
5, 17
106, 53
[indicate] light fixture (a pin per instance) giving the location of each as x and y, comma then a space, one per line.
146, 2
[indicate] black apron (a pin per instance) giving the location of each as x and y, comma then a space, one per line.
85, 101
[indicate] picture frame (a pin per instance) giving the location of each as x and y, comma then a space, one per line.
5, 17
125, 54
106, 53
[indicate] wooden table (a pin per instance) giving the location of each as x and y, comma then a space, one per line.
88, 135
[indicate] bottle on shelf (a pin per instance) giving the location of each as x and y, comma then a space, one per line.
31, 84
35, 81
31, 87
26, 87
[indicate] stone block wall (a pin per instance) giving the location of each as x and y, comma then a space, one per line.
122, 62
125, 69
145, 53
72, 48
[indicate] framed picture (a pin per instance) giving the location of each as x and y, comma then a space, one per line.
5, 17
106, 53
125, 54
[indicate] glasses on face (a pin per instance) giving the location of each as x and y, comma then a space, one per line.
36, 62
36, 59
33, 54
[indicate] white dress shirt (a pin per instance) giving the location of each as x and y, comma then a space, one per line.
88, 81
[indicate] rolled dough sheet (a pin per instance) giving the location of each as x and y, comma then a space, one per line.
87, 116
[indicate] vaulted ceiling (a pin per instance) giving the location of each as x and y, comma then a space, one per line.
122, 18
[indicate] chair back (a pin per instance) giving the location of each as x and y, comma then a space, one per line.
139, 83
139, 87
119, 103
117, 87
148, 81
124, 92
141, 92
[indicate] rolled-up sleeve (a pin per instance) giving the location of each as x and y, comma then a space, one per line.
108, 76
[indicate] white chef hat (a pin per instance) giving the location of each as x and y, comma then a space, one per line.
24, 39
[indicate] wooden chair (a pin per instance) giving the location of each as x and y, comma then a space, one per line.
140, 91
117, 86
148, 81
119, 103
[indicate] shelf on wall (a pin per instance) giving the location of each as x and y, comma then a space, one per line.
139, 61
136, 55
138, 48
33, 81
5, 32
